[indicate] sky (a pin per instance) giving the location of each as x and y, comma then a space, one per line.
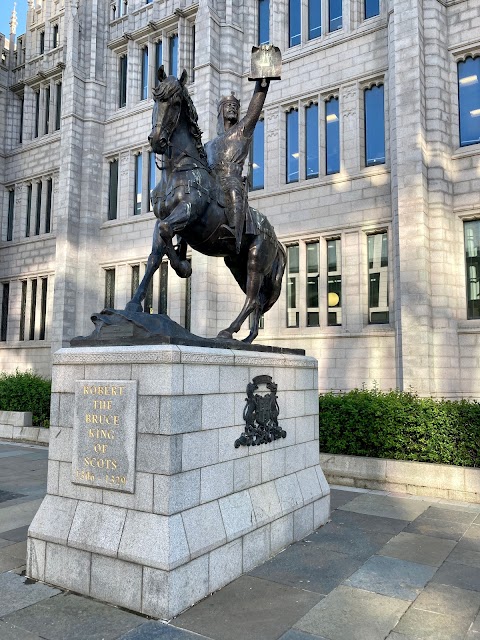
6, 7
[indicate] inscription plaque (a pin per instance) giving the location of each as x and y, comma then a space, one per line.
104, 435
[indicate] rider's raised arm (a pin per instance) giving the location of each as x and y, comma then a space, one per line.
255, 107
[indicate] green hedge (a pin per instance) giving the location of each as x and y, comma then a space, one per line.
26, 391
401, 426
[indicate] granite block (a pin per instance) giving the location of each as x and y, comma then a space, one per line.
218, 411
16, 594
148, 414
226, 444
204, 528
303, 522
141, 500
65, 376
68, 568
53, 519
216, 481
61, 443
273, 464
200, 449
312, 454
295, 457
6, 431
97, 528
309, 484
256, 548
68, 489
116, 582
159, 453
180, 414
295, 405
304, 378
225, 564
289, 493
255, 469
237, 514
166, 595
176, 493
324, 486
311, 402
158, 379
233, 379
265, 502
201, 379
52, 477
281, 533
154, 540
66, 415
54, 410
36, 550
105, 371
304, 429
321, 511
241, 474
16, 418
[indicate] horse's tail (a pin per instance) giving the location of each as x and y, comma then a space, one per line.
272, 283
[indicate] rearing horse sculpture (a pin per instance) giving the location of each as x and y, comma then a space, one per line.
188, 202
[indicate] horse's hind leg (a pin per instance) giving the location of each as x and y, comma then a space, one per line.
153, 262
254, 284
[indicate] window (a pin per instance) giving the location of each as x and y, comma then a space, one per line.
311, 141
144, 89
122, 82
121, 9
113, 190
292, 285
48, 210
135, 281
46, 94
43, 309
313, 314
11, 209
55, 40
173, 57
148, 302
292, 146
469, 100
472, 264
334, 282
158, 57
334, 15
109, 288
58, 107
374, 126
163, 290
37, 113
193, 51
378, 278
152, 177
33, 308
371, 8
4, 322
294, 23
29, 211
20, 135
332, 136
42, 42
137, 204
263, 22
314, 19
39, 209
258, 156
187, 316
23, 310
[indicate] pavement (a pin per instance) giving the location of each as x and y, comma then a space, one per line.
386, 566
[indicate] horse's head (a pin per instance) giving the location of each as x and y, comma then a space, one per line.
168, 96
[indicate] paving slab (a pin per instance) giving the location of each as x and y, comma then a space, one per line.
16, 593
339, 497
458, 575
68, 616
440, 598
438, 528
13, 556
417, 548
426, 625
392, 577
453, 514
5, 496
18, 515
154, 630
476, 624
353, 614
16, 535
471, 539
367, 522
295, 634
386, 506
351, 541
248, 608
304, 566
465, 556
11, 632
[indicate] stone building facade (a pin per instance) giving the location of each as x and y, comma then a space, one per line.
366, 161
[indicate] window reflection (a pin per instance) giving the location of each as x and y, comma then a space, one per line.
374, 126
292, 146
334, 14
469, 100
378, 312
292, 285
258, 156
472, 259
313, 315
263, 22
311, 141
332, 135
334, 282
294, 22
314, 19
173, 65
372, 8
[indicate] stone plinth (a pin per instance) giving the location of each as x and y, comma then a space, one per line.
192, 512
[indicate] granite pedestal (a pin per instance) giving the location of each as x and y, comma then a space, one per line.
150, 506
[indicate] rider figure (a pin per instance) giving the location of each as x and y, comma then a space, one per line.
227, 153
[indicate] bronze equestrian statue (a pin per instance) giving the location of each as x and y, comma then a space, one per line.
201, 198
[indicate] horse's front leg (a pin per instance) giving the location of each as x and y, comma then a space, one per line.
154, 259
169, 227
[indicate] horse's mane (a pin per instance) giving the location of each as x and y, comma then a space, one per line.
164, 91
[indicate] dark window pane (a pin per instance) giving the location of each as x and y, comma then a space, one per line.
374, 126
472, 264
135, 279
23, 310
158, 57
293, 259
11, 209
258, 156
42, 41
312, 291
378, 278
374, 289
37, 113
335, 14
469, 100
48, 212
43, 309
312, 257
22, 103
46, 128
55, 36
29, 210
292, 269
4, 323
372, 8
311, 141
33, 309
148, 302
144, 91
39, 209
313, 319
58, 110
122, 94
314, 19
332, 136
334, 282
263, 21
137, 205
332, 246
110, 288
113, 190
173, 66
292, 146
193, 52
163, 293
294, 22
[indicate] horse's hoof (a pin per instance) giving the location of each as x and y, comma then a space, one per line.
184, 269
225, 335
133, 307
